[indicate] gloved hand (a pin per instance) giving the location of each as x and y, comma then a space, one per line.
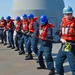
21, 30
63, 40
4, 30
25, 31
9, 28
28, 33
33, 35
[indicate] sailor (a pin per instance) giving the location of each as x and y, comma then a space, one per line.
67, 36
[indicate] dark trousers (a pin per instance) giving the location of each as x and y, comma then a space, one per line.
3, 36
48, 56
17, 39
61, 57
32, 43
22, 41
10, 38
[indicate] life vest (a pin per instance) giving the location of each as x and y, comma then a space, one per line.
25, 25
43, 31
31, 28
9, 24
67, 30
18, 25
2, 23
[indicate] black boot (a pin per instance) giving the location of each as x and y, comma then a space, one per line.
41, 68
9, 46
37, 61
2, 42
17, 49
13, 47
51, 72
29, 57
5, 43
21, 52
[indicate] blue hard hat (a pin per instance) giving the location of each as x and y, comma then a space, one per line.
67, 10
18, 18
30, 16
8, 17
43, 19
24, 16
2, 18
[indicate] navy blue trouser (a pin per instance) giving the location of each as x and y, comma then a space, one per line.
17, 39
32, 43
61, 58
3, 36
22, 41
47, 50
10, 38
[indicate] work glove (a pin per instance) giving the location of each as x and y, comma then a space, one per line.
22, 31
28, 33
63, 40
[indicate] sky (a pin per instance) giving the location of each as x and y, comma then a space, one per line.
5, 6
